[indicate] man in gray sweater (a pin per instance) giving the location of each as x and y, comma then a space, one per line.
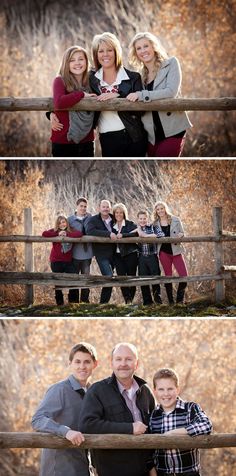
59, 414
82, 252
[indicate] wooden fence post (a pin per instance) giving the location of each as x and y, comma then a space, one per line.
218, 253
29, 256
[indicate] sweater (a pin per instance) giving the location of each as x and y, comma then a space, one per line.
56, 251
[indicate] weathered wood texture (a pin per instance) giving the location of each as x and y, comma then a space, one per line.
218, 253
119, 104
99, 239
29, 259
83, 281
111, 441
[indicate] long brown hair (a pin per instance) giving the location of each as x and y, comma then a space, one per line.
57, 223
69, 79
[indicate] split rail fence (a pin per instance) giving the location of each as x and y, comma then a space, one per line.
121, 104
29, 277
115, 441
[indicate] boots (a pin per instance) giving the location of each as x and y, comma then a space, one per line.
169, 292
180, 293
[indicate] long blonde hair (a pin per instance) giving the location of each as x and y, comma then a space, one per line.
160, 53
112, 41
156, 217
69, 79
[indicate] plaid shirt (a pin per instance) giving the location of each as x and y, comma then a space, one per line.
148, 249
190, 416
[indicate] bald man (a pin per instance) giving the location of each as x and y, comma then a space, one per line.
101, 225
121, 403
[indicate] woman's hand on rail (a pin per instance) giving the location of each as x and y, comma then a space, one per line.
132, 97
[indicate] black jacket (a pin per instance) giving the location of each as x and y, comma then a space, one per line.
131, 120
126, 230
96, 227
104, 411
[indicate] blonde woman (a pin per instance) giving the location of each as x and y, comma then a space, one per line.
121, 133
171, 254
126, 255
161, 76
72, 131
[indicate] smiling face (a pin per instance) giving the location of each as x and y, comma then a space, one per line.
62, 225
106, 55
144, 51
142, 219
119, 215
82, 366
161, 211
105, 209
166, 393
82, 209
124, 363
78, 63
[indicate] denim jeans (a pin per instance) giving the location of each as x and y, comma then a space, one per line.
106, 266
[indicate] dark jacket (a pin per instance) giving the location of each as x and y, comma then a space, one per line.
126, 230
131, 120
95, 226
105, 411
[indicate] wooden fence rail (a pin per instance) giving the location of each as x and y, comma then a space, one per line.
115, 441
29, 278
120, 104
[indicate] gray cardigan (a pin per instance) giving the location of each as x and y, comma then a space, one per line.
175, 228
58, 412
167, 84
80, 251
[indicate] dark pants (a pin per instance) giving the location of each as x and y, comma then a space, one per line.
148, 266
84, 149
81, 267
127, 266
62, 267
189, 473
106, 266
120, 144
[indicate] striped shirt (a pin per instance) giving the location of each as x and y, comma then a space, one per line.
190, 416
148, 249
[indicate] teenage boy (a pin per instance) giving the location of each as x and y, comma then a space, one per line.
121, 403
174, 416
82, 252
59, 413
148, 263
101, 225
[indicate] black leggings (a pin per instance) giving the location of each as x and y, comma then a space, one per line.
84, 149
62, 267
120, 144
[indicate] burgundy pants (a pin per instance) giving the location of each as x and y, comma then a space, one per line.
177, 261
169, 147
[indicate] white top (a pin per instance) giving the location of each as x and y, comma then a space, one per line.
109, 121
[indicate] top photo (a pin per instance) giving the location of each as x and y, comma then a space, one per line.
117, 78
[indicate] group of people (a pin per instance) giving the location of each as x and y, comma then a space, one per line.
121, 133
125, 258
120, 404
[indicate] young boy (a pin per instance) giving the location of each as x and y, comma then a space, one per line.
148, 263
59, 414
174, 416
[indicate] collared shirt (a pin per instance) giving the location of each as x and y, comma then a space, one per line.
148, 249
118, 229
190, 416
130, 399
109, 120
107, 223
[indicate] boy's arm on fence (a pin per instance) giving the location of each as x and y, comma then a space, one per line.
199, 423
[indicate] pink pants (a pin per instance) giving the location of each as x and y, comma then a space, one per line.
169, 147
177, 261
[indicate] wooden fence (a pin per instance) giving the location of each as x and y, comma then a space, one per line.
118, 441
120, 104
28, 277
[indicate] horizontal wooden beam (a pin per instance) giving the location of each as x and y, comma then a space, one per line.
84, 281
100, 239
228, 268
115, 441
120, 104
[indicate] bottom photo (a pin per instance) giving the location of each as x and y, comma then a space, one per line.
71, 379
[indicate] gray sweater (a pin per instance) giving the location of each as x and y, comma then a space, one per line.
80, 251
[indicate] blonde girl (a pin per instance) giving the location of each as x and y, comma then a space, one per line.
162, 78
170, 254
